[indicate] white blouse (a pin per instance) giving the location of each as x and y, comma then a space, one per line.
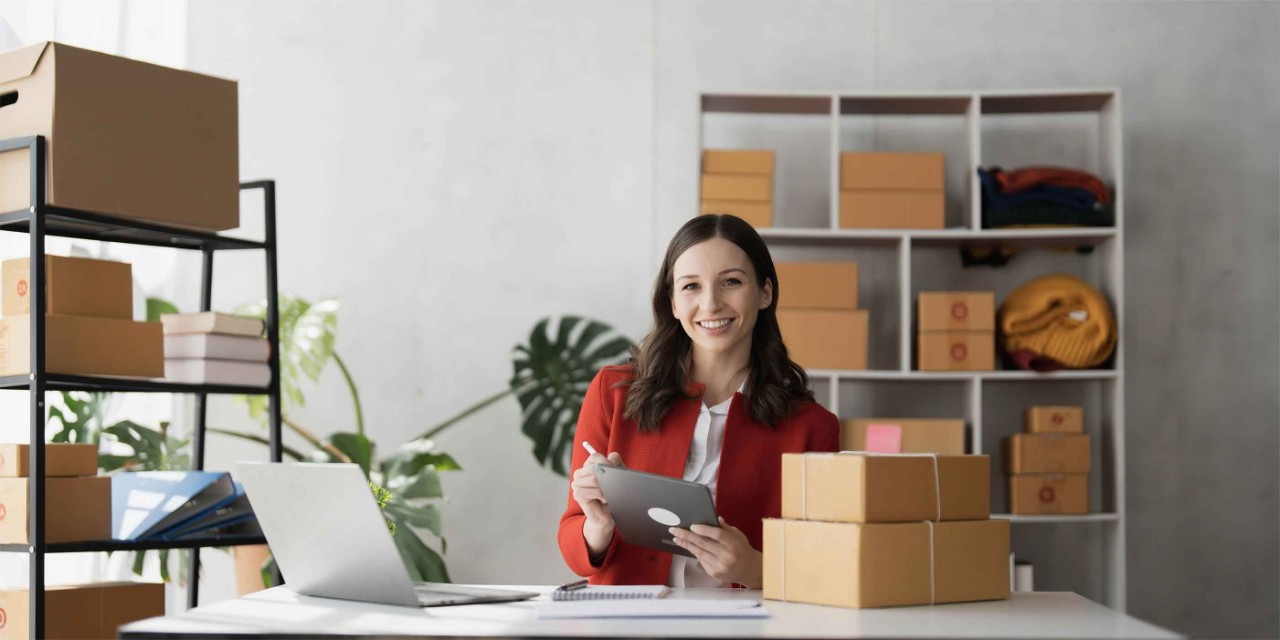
702, 466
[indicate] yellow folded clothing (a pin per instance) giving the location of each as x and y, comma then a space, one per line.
1056, 322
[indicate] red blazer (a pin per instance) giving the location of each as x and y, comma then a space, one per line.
749, 487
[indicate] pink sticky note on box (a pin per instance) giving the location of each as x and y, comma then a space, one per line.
884, 438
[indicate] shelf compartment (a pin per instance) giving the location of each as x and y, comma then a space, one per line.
66, 382
1055, 519
119, 545
93, 226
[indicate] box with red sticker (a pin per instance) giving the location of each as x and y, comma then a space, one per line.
1053, 493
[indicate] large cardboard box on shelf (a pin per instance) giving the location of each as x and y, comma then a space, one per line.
85, 346
125, 138
748, 161
825, 338
956, 311
737, 187
83, 610
1050, 493
757, 214
885, 565
1054, 420
1046, 453
889, 209
893, 171
956, 351
64, 460
817, 285
903, 435
843, 487
73, 287
75, 509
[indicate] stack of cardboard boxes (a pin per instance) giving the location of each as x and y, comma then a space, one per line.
83, 610
819, 316
956, 331
862, 530
1048, 466
903, 435
77, 503
89, 327
892, 190
738, 182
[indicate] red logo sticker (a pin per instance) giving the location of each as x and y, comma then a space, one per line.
1057, 419
22, 287
1047, 495
959, 311
4, 618
1, 460
3, 512
959, 351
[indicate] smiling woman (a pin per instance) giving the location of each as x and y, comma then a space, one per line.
710, 396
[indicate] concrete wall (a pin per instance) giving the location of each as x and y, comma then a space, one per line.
454, 171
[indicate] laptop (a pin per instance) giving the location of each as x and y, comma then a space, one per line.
330, 539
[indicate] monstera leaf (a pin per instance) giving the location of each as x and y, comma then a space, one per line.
551, 377
306, 346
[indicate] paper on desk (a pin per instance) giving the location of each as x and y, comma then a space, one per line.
661, 608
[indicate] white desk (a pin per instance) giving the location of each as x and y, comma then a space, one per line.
279, 611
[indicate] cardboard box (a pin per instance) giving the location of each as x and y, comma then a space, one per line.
125, 138
737, 187
843, 487
825, 338
956, 311
84, 345
82, 611
75, 509
1054, 420
757, 214
64, 460
817, 285
956, 351
885, 565
910, 435
1034, 494
1047, 453
890, 209
73, 287
751, 161
880, 170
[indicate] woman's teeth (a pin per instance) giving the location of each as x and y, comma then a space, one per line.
714, 324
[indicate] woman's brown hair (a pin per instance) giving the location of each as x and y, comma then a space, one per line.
661, 363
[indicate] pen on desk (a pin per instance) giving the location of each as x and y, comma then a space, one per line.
574, 586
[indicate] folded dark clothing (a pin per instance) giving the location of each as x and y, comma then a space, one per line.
1071, 197
1025, 178
1045, 214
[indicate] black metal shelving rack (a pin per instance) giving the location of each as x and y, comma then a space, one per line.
41, 220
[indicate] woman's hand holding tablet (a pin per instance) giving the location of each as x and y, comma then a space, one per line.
598, 528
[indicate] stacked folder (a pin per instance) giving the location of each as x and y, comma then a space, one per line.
740, 183
862, 530
179, 505
215, 348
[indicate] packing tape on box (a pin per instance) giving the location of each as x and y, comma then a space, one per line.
804, 473
933, 589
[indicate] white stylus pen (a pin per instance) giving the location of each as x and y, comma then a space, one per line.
590, 449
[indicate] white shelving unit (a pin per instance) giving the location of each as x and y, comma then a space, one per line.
1079, 128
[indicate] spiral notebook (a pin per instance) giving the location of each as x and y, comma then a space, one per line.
610, 592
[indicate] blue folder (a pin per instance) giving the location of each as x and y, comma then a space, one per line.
146, 503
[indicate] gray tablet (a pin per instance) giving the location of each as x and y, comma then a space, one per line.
645, 505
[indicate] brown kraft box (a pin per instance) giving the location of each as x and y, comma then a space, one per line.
737, 187
1054, 493
757, 214
916, 435
75, 509
1047, 453
888, 209
956, 311
825, 338
956, 351
841, 487
750, 161
65, 460
85, 345
817, 285
885, 565
124, 137
886, 170
73, 287
82, 611
1054, 420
